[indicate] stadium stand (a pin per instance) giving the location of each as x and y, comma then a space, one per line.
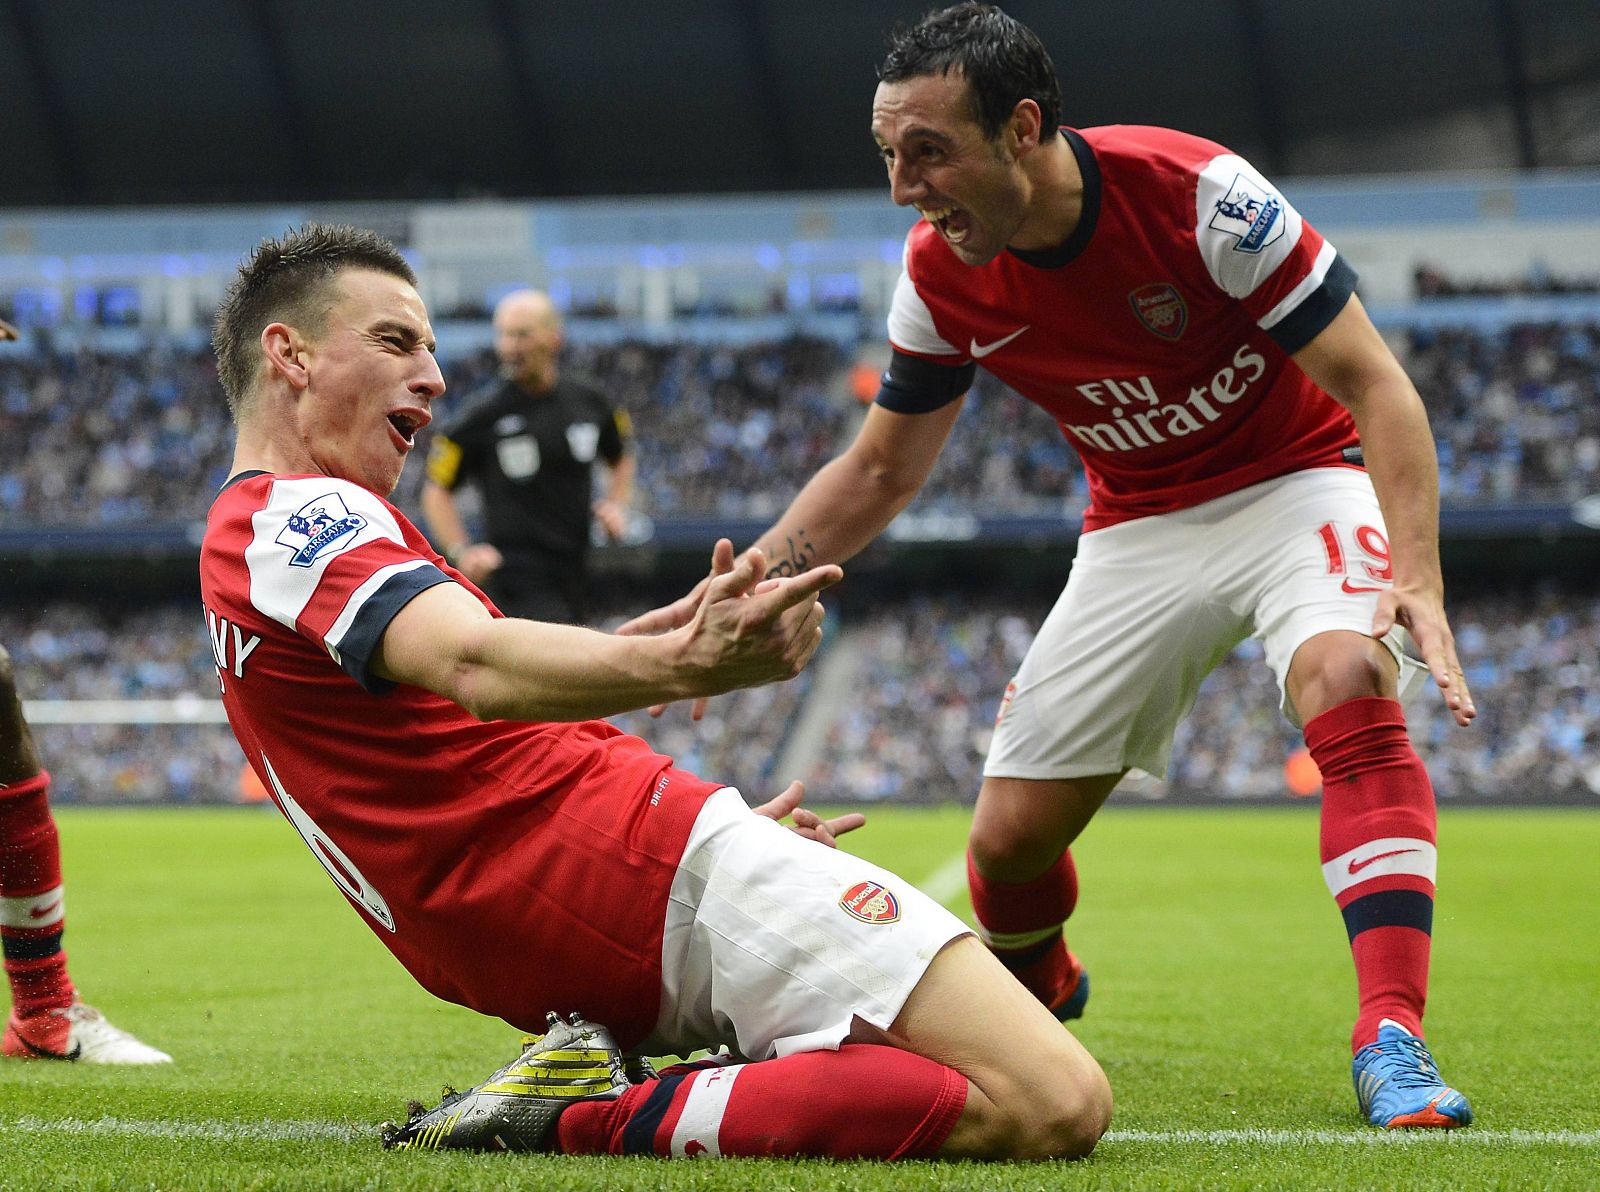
116, 438
1515, 413
1434, 281
928, 672
743, 356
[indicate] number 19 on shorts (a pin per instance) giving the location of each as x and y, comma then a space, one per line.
1370, 549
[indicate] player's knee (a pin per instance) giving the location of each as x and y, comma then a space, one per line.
1060, 1117
1002, 850
990, 844
1332, 672
1354, 674
1073, 1119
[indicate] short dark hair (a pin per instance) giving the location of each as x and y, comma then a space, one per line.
288, 279
1002, 60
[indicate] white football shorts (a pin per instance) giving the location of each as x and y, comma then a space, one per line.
1152, 606
775, 944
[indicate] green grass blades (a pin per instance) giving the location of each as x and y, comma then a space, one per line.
1222, 1001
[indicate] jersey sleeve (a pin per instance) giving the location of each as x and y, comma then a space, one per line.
911, 328
444, 461
1258, 249
328, 560
925, 372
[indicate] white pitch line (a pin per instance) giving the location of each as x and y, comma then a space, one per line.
302, 1131
1580, 1138
222, 1131
947, 881
950, 880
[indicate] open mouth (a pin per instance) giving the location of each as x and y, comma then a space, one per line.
953, 223
406, 426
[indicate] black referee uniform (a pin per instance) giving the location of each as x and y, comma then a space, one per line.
532, 458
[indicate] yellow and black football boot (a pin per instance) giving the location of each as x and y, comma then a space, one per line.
516, 1107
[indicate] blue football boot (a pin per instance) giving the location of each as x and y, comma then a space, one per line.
1398, 1085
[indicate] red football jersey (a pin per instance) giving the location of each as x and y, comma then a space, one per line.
1158, 336
516, 868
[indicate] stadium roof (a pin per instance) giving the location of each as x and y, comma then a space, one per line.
252, 100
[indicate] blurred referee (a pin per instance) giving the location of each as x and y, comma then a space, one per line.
530, 443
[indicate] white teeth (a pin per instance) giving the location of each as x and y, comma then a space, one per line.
935, 214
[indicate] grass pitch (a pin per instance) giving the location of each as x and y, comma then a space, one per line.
1222, 1001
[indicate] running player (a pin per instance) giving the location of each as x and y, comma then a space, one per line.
519, 857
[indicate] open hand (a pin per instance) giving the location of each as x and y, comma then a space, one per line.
748, 630
807, 822
1422, 614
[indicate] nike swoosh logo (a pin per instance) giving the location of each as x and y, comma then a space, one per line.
44, 912
1358, 866
1354, 588
978, 351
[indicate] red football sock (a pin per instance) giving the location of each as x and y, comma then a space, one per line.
1022, 922
863, 1101
32, 917
1378, 855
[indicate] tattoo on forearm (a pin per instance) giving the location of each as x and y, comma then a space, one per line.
801, 556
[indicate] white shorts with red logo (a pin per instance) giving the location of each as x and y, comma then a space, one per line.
1153, 605
775, 944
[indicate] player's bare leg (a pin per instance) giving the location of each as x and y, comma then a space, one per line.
972, 1067
1033, 1091
47, 1019
1338, 666
19, 758
1021, 825
1023, 882
1378, 857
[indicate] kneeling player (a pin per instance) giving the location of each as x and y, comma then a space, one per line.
518, 856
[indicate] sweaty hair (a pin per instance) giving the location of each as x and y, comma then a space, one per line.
290, 280
1002, 60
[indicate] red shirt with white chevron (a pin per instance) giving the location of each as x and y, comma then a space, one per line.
515, 868
1158, 336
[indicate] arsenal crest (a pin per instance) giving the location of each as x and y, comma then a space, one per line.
1161, 309
871, 903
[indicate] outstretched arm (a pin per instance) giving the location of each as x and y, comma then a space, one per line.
745, 632
1350, 361
854, 497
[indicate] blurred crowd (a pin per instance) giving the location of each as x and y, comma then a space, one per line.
1433, 281
74, 652
100, 438
923, 675
111, 439
931, 675
1515, 413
